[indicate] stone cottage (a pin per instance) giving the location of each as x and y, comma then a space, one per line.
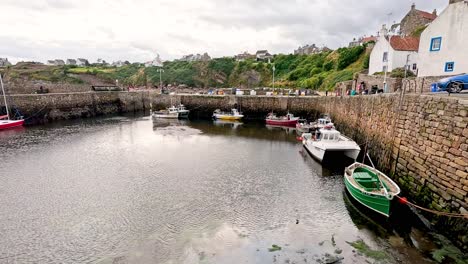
416, 19
443, 48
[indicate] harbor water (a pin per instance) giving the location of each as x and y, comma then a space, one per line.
136, 190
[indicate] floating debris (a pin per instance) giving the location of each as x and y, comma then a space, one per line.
274, 248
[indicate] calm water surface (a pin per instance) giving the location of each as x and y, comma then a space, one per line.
132, 190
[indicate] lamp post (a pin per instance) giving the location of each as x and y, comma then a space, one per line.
406, 65
273, 76
160, 70
388, 49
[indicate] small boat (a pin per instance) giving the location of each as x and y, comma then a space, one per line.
5, 121
370, 187
328, 139
287, 120
322, 122
170, 113
303, 127
233, 115
183, 112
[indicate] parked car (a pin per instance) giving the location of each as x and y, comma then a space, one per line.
454, 84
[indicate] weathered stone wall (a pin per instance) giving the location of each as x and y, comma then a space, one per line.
41, 108
420, 84
31, 87
394, 84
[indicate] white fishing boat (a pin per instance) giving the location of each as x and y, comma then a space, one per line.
327, 140
303, 126
170, 113
183, 112
233, 115
5, 121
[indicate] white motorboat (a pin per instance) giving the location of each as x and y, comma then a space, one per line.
183, 112
170, 113
328, 139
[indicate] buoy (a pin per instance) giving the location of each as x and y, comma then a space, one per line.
299, 138
402, 200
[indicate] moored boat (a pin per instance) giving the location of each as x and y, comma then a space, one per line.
370, 187
303, 126
233, 115
5, 121
183, 112
170, 113
327, 140
287, 120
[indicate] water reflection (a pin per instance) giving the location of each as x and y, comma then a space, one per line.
233, 124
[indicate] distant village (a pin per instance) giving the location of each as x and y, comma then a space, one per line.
423, 43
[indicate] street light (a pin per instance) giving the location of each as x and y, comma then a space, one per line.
273, 76
388, 49
407, 66
160, 70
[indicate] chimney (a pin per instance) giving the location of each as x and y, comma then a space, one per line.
383, 31
413, 6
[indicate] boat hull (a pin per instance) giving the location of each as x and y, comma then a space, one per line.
227, 117
377, 203
166, 116
291, 123
320, 154
6, 124
184, 114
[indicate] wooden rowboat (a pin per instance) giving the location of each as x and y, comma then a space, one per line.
370, 187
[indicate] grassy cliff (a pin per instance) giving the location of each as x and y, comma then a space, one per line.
319, 71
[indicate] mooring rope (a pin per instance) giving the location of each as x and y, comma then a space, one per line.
403, 200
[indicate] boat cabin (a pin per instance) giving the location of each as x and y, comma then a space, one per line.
234, 112
326, 134
324, 121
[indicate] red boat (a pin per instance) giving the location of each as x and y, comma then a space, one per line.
287, 120
6, 123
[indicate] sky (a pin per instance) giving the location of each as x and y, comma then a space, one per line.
137, 30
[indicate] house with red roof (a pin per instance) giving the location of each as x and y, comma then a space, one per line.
393, 51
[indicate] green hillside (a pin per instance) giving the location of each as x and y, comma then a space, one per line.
319, 71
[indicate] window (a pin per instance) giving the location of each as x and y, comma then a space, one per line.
436, 43
449, 66
385, 57
384, 68
414, 66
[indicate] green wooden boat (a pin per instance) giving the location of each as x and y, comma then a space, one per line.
370, 187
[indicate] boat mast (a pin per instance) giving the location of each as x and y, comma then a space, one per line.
4, 98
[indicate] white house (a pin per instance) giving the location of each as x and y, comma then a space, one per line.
391, 52
443, 48
82, 62
263, 55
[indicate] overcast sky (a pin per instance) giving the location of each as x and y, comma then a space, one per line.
136, 30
